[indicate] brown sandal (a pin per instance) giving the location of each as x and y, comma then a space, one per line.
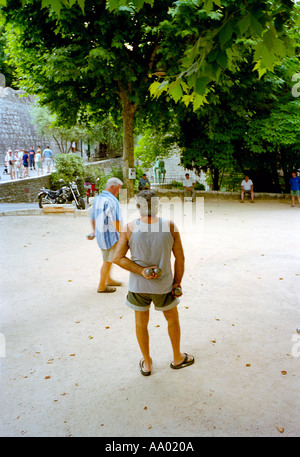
107, 290
186, 362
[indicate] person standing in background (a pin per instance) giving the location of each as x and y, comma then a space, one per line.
295, 188
25, 160
48, 157
107, 224
31, 153
38, 161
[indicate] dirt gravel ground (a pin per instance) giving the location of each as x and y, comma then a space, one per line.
69, 356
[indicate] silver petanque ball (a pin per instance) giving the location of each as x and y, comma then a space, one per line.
298, 330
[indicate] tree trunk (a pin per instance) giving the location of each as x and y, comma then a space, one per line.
215, 172
128, 111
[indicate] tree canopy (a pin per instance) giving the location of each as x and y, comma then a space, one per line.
84, 58
253, 128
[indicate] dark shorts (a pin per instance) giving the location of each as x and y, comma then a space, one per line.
142, 302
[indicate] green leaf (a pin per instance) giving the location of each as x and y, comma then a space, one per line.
256, 27
112, 5
201, 85
81, 4
153, 88
199, 100
175, 91
226, 33
244, 23
56, 5
187, 99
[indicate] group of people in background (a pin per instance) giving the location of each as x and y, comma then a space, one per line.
18, 163
247, 187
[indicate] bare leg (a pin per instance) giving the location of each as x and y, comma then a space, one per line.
293, 200
104, 274
112, 282
174, 334
142, 335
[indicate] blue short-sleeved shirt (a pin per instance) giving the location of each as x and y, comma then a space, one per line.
105, 210
47, 153
295, 183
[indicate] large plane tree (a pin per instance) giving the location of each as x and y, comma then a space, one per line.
86, 58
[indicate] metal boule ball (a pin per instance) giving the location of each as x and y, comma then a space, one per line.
157, 271
148, 272
177, 291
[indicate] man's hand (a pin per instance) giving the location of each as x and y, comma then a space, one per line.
176, 290
148, 274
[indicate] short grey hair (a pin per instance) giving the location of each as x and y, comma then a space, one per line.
113, 182
147, 203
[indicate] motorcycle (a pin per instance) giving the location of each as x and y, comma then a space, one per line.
66, 194
91, 189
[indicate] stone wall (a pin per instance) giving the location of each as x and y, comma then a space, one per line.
17, 130
106, 165
27, 189
23, 190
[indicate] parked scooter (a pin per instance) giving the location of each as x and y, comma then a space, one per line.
91, 189
66, 194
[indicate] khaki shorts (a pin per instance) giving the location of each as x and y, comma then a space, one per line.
142, 302
108, 254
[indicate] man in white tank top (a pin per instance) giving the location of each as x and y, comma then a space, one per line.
151, 241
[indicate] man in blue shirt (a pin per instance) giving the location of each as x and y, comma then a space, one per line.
107, 224
48, 156
295, 188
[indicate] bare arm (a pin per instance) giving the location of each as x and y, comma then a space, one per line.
179, 256
123, 261
121, 251
93, 225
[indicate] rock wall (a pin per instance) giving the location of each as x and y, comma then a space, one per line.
16, 128
23, 190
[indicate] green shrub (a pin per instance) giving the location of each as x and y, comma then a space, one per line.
99, 176
177, 184
199, 186
69, 167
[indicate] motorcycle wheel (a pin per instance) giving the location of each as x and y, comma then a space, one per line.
43, 201
81, 203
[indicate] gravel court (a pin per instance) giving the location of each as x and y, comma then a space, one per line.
71, 357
